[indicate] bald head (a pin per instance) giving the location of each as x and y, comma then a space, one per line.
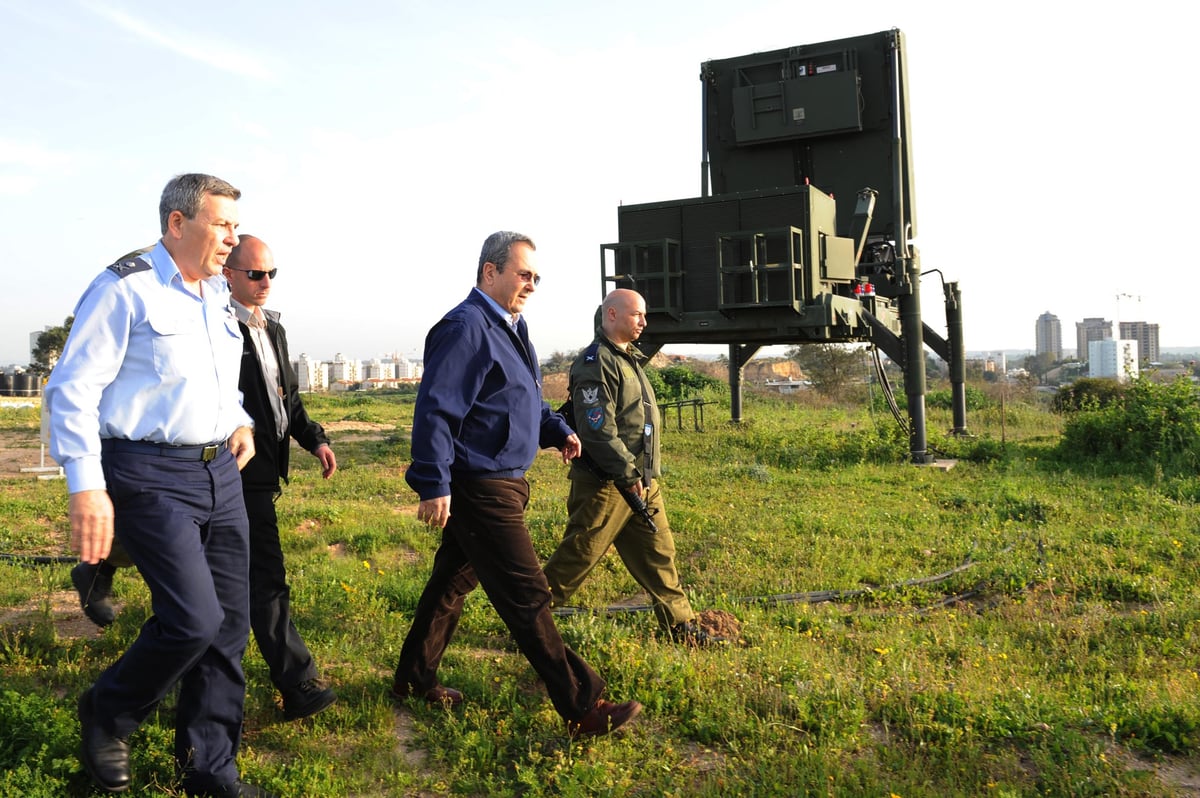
248, 250
623, 316
250, 258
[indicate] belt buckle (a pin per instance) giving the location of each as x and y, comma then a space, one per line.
209, 453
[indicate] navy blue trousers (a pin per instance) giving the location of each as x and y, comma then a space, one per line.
487, 543
184, 525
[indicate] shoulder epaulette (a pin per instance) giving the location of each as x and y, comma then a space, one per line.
589, 354
124, 268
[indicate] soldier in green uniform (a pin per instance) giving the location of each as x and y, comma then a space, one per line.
617, 420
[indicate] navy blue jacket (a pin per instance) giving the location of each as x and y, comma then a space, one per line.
479, 411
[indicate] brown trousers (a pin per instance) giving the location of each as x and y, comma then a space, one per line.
487, 543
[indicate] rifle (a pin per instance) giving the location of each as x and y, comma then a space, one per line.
635, 502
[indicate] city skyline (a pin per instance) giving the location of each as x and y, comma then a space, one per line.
417, 355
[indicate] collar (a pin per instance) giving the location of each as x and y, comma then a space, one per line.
248, 316
166, 270
628, 349
510, 319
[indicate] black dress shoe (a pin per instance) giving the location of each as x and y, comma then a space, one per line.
239, 789
94, 584
438, 694
306, 699
105, 756
603, 718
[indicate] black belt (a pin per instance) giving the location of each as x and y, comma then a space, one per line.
205, 452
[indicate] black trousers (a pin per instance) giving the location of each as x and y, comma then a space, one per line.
487, 543
270, 597
183, 524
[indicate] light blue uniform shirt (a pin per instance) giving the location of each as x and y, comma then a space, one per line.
146, 360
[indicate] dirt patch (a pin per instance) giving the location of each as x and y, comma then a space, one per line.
410, 754
357, 426
20, 450
63, 610
1181, 775
721, 624
702, 759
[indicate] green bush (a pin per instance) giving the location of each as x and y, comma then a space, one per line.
1087, 393
681, 382
1151, 427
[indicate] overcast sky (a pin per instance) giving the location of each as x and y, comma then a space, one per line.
378, 143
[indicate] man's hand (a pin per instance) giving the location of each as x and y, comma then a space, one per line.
435, 512
241, 443
91, 515
328, 461
572, 448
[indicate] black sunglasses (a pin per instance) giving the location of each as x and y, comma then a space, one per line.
255, 274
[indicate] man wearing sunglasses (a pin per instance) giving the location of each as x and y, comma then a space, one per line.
279, 415
272, 398
478, 422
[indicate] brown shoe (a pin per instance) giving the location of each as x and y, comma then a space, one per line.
438, 694
603, 718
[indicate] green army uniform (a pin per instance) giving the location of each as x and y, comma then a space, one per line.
612, 400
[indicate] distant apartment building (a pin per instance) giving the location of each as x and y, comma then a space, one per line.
1048, 333
406, 369
33, 342
344, 370
1146, 336
344, 374
376, 369
311, 375
1088, 330
1114, 358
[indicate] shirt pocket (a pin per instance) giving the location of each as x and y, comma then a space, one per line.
232, 340
178, 341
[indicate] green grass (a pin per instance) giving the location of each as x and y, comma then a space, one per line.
1057, 652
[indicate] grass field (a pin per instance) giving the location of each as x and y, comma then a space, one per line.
1019, 624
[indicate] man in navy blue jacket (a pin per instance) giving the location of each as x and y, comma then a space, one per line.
478, 423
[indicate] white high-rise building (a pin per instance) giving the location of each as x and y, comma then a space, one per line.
1113, 357
311, 375
405, 369
344, 370
376, 369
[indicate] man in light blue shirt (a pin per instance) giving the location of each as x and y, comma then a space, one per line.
147, 423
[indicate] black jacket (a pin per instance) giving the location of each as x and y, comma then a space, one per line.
270, 461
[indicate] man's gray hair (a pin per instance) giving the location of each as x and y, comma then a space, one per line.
496, 249
185, 192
